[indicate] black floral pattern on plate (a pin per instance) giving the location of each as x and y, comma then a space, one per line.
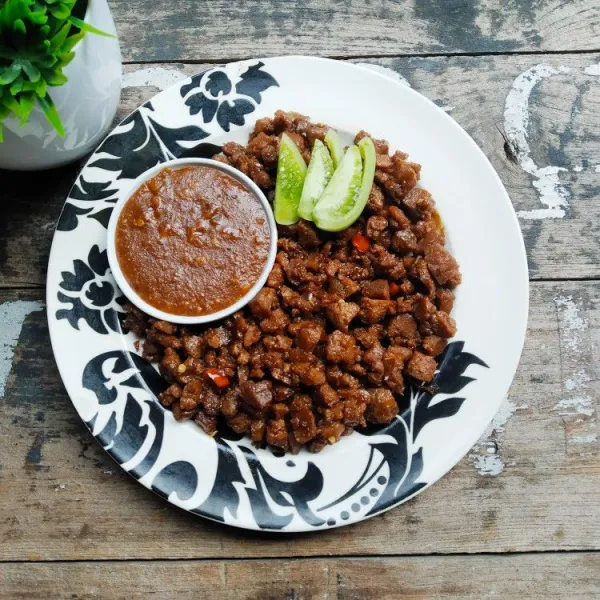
392, 472
141, 142
98, 196
117, 378
213, 94
405, 459
91, 293
398, 452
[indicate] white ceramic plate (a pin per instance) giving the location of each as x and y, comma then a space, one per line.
227, 479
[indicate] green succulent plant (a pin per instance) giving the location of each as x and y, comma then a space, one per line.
37, 38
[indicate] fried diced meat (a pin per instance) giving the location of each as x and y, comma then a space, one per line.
345, 321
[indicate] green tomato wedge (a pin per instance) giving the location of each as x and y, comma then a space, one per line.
320, 170
291, 172
341, 193
348, 191
332, 139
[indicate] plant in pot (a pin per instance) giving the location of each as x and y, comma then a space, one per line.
60, 80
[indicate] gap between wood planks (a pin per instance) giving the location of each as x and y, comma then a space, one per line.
310, 557
223, 61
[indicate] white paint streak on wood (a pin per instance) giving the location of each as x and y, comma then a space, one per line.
591, 438
577, 406
516, 121
574, 383
12, 316
489, 465
592, 69
505, 412
484, 454
574, 324
158, 77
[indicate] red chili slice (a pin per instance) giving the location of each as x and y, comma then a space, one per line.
360, 242
217, 377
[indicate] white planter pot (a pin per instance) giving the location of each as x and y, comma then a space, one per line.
87, 104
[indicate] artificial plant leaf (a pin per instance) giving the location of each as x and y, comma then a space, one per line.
71, 41
31, 71
60, 11
52, 115
10, 73
8, 53
19, 27
55, 78
40, 88
26, 102
9, 102
11, 12
16, 86
58, 39
87, 27
38, 14
63, 61
28, 86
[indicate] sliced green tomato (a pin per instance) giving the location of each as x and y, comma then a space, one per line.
332, 139
320, 170
369, 156
291, 172
341, 194
339, 208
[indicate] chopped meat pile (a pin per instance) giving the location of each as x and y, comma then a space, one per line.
344, 321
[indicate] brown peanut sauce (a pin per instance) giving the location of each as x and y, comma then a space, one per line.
192, 241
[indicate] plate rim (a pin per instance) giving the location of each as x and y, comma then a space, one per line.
461, 449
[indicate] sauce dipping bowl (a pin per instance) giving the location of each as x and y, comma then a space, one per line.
122, 281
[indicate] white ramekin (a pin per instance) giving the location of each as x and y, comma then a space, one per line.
184, 319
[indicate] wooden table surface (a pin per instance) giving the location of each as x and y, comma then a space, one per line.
519, 517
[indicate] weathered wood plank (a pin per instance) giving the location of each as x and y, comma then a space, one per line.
532, 484
220, 30
551, 168
564, 575
563, 134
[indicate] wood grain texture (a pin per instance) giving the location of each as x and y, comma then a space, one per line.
563, 133
220, 30
462, 577
63, 498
